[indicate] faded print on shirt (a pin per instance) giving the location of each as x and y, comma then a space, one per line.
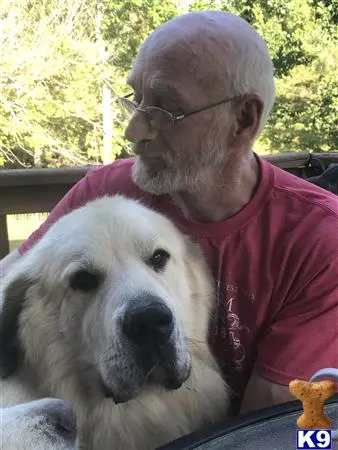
231, 338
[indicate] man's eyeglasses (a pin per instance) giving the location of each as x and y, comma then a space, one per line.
159, 118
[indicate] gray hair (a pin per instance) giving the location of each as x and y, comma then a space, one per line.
253, 72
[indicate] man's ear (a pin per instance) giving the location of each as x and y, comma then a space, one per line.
248, 112
13, 299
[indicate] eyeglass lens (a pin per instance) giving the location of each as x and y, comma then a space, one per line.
156, 117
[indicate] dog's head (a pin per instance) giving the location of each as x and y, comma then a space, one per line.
112, 297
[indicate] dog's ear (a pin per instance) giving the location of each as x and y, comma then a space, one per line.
13, 300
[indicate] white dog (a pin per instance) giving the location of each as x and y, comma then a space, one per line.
46, 424
110, 311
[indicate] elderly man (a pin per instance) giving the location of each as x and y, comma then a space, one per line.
202, 89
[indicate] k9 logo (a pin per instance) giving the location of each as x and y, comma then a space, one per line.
314, 439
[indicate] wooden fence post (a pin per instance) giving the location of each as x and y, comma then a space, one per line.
4, 243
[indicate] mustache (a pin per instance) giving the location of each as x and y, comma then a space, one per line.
140, 148
150, 149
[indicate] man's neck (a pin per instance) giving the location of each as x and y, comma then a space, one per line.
224, 195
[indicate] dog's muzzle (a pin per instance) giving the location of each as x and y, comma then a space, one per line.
148, 323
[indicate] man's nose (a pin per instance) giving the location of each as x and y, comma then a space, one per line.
138, 129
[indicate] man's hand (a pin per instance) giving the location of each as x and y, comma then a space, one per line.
261, 393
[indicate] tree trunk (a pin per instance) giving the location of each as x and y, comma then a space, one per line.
106, 110
38, 157
107, 123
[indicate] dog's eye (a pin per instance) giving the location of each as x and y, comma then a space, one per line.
159, 259
84, 281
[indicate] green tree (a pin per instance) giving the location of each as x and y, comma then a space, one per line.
48, 84
128, 22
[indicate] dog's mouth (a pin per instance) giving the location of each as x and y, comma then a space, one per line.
168, 374
171, 381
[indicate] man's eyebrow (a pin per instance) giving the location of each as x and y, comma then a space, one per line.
130, 83
167, 91
163, 87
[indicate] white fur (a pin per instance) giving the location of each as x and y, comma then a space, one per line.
46, 424
70, 337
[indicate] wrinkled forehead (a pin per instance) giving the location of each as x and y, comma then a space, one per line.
181, 67
198, 53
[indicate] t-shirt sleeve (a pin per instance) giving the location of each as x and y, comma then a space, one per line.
303, 338
77, 196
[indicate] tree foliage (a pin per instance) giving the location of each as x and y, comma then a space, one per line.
57, 56
48, 83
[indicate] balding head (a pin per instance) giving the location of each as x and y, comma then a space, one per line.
213, 63
222, 52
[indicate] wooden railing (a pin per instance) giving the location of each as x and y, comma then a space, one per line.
25, 191
39, 190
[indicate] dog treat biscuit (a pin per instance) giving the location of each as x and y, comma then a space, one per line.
313, 396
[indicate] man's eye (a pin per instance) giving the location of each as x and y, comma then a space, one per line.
165, 103
171, 107
176, 111
137, 99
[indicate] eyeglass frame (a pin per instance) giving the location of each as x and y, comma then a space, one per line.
175, 118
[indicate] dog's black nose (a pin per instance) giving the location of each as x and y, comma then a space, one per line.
148, 321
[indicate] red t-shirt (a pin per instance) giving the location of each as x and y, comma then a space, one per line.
275, 263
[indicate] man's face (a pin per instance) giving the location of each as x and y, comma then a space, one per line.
174, 159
